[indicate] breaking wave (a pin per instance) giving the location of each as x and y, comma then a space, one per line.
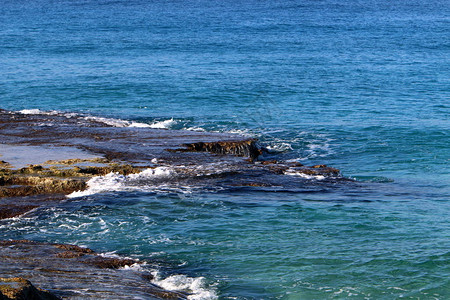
165, 124
194, 285
114, 182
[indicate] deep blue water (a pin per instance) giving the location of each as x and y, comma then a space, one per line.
363, 86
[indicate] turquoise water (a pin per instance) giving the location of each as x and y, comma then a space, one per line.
362, 86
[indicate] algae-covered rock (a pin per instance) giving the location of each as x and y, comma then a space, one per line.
50, 180
18, 288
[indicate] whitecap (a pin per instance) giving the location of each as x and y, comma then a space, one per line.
163, 124
108, 121
194, 285
320, 147
117, 182
30, 111
36, 111
195, 128
116, 122
242, 132
303, 175
279, 147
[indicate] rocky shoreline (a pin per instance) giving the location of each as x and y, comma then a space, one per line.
64, 270
61, 153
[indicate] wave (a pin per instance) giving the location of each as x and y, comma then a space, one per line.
114, 182
195, 128
116, 122
35, 111
279, 147
320, 146
303, 175
165, 124
194, 285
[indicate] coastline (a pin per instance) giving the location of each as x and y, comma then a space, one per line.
46, 158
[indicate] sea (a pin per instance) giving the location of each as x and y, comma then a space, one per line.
358, 85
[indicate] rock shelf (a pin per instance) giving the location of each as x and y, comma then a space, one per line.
73, 272
46, 156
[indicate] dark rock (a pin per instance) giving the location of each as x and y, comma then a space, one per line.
11, 211
74, 248
207, 159
110, 263
65, 268
148, 277
246, 148
18, 288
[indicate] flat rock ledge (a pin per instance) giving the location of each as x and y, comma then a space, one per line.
32, 173
32, 186
38, 270
63, 271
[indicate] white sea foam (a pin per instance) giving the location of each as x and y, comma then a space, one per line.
242, 132
137, 267
117, 182
320, 146
279, 147
195, 128
116, 122
164, 124
30, 111
196, 286
35, 111
303, 175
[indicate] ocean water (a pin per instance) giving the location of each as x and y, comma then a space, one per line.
363, 86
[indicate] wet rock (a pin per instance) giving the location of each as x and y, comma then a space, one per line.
317, 170
74, 248
148, 277
319, 166
110, 263
253, 184
196, 158
246, 148
26, 186
11, 211
42, 180
269, 162
18, 288
64, 269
